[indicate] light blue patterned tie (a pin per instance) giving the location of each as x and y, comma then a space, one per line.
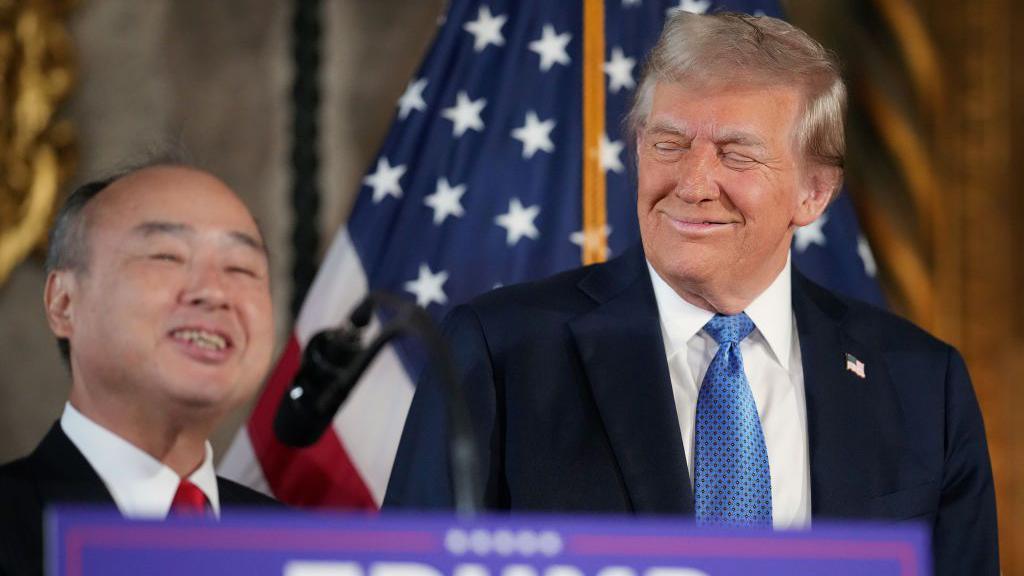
732, 482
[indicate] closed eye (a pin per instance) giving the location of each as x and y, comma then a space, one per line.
669, 146
166, 257
736, 160
247, 271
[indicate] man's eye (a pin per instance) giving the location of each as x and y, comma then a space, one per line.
243, 270
165, 257
739, 160
669, 147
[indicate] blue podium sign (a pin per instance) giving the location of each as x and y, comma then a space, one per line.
86, 542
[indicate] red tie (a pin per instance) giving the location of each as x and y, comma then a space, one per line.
189, 500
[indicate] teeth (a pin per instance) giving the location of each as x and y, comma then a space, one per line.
202, 339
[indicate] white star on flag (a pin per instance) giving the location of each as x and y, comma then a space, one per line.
866, 256
620, 71
384, 180
609, 154
465, 115
412, 98
695, 6
591, 240
630, 3
427, 287
551, 48
446, 200
486, 29
535, 135
518, 222
813, 233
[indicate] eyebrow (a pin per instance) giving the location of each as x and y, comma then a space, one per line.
739, 137
662, 127
153, 227
727, 136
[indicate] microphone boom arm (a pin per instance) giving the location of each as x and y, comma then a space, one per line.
413, 320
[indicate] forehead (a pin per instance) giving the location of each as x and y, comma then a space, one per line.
768, 111
169, 194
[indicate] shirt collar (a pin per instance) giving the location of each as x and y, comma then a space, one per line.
680, 320
771, 312
140, 485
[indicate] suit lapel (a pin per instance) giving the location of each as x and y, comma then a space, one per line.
63, 474
621, 349
854, 424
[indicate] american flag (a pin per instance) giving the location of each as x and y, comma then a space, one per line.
477, 185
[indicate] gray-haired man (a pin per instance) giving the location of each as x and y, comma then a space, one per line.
698, 373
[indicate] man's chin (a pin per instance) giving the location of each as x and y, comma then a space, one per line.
203, 394
690, 274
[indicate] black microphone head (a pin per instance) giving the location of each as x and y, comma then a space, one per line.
297, 423
309, 404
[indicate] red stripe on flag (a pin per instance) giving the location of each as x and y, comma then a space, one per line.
321, 475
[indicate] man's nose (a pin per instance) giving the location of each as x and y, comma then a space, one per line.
697, 181
206, 286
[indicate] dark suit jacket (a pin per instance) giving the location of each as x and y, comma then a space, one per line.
569, 389
58, 472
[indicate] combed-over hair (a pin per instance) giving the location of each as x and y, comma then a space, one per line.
731, 47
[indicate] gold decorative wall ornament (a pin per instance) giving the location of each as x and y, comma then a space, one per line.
36, 147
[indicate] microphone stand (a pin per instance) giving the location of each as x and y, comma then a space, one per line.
412, 320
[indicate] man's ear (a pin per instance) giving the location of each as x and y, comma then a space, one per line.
820, 185
59, 299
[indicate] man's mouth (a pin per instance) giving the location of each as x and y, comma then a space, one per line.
692, 225
204, 339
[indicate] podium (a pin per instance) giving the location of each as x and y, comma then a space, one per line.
85, 542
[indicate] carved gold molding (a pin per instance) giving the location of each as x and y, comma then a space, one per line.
36, 147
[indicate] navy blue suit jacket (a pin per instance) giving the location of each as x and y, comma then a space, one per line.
569, 389
57, 472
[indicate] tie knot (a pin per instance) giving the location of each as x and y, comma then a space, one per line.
729, 328
188, 500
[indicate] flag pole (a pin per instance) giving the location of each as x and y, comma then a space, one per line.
594, 245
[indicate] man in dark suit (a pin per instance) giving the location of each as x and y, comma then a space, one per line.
158, 293
698, 374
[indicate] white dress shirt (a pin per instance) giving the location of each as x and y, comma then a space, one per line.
771, 360
142, 487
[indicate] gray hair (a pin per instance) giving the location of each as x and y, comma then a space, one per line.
732, 46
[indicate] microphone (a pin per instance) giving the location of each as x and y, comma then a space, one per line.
332, 364
323, 382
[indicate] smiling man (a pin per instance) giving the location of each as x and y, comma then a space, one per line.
699, 373
158, 293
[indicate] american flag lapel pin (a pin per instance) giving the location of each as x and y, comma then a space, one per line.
854, 365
